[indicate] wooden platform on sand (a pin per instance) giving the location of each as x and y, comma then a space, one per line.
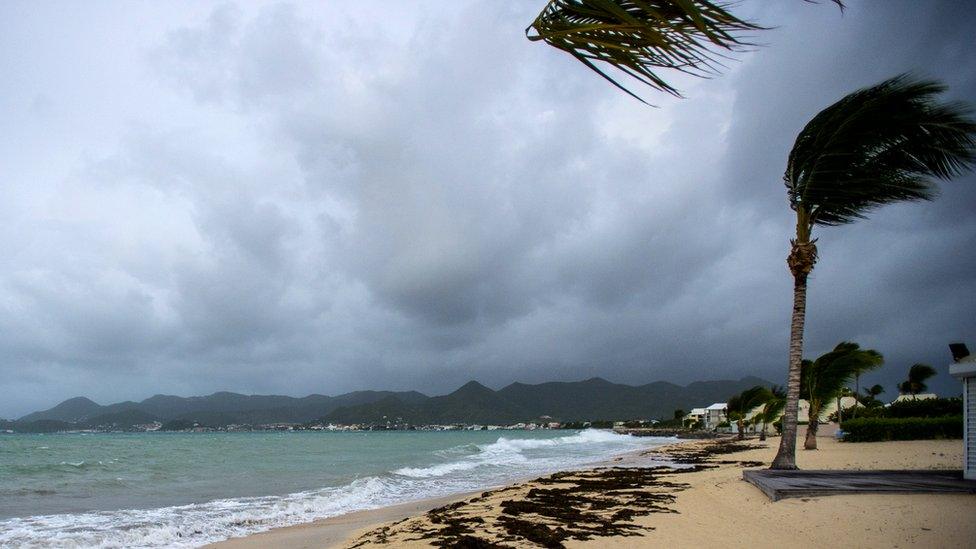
801, 483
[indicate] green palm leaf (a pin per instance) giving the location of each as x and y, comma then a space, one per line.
882, 144
639, 37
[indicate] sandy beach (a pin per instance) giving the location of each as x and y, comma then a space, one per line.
706, 505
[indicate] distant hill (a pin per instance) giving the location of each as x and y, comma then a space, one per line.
122, 419
73, 409
222, 408
592, 399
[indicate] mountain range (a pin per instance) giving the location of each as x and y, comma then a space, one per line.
592, 399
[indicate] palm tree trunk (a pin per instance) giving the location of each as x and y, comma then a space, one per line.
762, 433
802, 258
786, 455
741, 427
812, 426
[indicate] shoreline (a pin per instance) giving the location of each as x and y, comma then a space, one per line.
338, 531
705, 504
335, 531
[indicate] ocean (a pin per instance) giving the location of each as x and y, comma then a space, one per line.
190, 489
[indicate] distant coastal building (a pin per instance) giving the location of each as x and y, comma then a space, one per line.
696, 416
715, 415
920, 396
964, 369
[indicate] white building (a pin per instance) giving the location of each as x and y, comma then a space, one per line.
920, 396
715, 414
964, 369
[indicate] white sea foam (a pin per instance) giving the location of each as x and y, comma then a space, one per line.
195, 525
516, 453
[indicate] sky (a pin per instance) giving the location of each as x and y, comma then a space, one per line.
297, 198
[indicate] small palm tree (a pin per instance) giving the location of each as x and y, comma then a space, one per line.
823, 380
772, 408
870, 397
738, 406
883, 144
734, 412
917, 375
857, 383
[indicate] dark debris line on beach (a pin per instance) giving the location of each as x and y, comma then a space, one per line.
570, 505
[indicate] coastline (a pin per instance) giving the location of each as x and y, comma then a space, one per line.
340, 530
335, 531
696, 507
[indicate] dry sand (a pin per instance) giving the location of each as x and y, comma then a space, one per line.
712, 507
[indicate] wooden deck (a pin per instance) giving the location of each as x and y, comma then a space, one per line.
795, 484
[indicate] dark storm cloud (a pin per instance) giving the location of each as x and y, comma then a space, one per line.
271, 199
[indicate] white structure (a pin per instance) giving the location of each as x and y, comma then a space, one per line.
965, 370
715, 414
920, 396
697, 415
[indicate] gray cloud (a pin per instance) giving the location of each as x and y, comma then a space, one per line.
269, 198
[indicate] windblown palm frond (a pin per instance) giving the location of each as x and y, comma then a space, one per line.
824, 378
917, 375
773, 407
734, 407
641, 36
882, 144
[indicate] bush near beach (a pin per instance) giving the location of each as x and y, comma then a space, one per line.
873, 429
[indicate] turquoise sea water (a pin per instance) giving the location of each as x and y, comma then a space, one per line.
186, 490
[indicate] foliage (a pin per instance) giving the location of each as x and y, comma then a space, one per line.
876, 146
178, 425
930, 407
738, 406
917, 375
43, 426
870, 429
823, 380
869, 398
639, 37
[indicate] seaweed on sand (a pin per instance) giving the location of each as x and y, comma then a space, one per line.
576, 505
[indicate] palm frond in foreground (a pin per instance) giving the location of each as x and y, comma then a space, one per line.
639, 37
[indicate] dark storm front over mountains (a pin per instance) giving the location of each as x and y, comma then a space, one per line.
291, 199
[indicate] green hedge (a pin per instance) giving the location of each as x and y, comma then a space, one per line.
930, 407
870, 429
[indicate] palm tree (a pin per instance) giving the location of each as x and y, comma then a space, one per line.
772, 408
640, 37
917, 375
857, 384
870, 397
734, 412
738, 406
823, 379
883, 144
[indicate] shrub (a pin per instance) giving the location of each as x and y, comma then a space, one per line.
932, 407
870, 429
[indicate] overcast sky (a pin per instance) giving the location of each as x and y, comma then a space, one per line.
331, 196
